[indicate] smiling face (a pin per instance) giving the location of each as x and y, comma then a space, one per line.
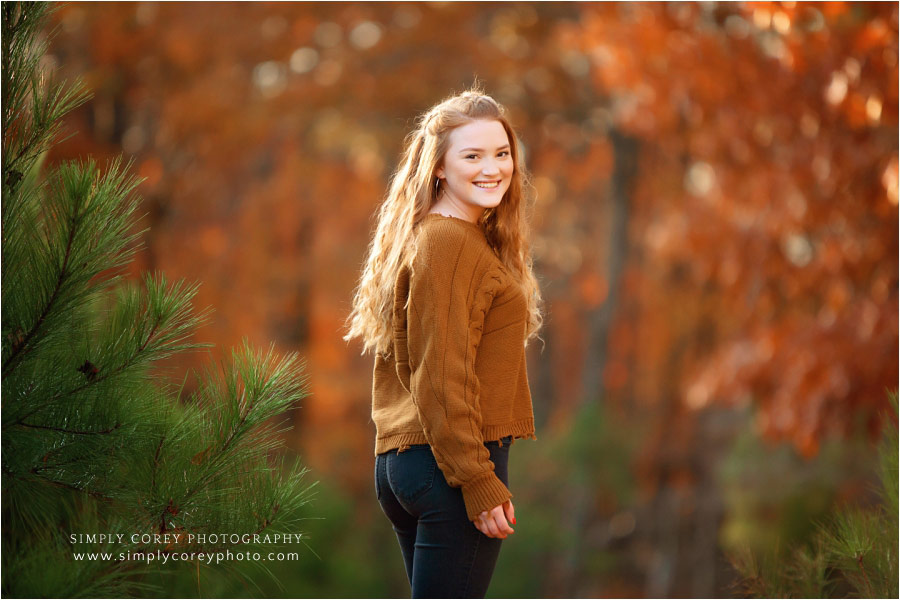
477, 169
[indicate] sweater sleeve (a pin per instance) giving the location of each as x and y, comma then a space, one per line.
449, 291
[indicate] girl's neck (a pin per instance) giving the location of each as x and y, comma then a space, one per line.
448, 209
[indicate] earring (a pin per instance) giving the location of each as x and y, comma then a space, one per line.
437, 186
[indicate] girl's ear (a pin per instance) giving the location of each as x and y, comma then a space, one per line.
439, 172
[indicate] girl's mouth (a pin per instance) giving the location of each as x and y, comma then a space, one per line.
487, 185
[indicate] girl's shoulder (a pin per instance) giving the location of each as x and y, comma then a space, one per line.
443, 234
447, 246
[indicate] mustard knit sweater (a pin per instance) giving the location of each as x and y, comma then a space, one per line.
456, 377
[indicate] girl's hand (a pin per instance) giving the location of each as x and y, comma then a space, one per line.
493, 523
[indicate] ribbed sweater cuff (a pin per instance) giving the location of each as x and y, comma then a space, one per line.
484, 494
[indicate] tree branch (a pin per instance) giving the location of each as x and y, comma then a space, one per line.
21, 349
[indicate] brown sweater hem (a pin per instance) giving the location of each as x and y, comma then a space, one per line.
523, 429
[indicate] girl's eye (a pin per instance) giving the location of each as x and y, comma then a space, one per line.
504, 153
471, 156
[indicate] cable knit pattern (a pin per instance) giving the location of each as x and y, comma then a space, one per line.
456, 376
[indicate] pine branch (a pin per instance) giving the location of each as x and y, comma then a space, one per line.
855, 547
257, 389
33, 108
90, 216
22, 346
36, 472
168, 314
72, 431
156, 454
111, 449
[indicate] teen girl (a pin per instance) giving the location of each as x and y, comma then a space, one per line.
448, 301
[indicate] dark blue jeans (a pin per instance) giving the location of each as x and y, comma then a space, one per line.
445, 554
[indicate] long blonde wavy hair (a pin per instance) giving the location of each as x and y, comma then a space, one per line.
412, 192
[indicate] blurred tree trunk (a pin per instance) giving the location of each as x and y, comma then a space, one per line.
625, 152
